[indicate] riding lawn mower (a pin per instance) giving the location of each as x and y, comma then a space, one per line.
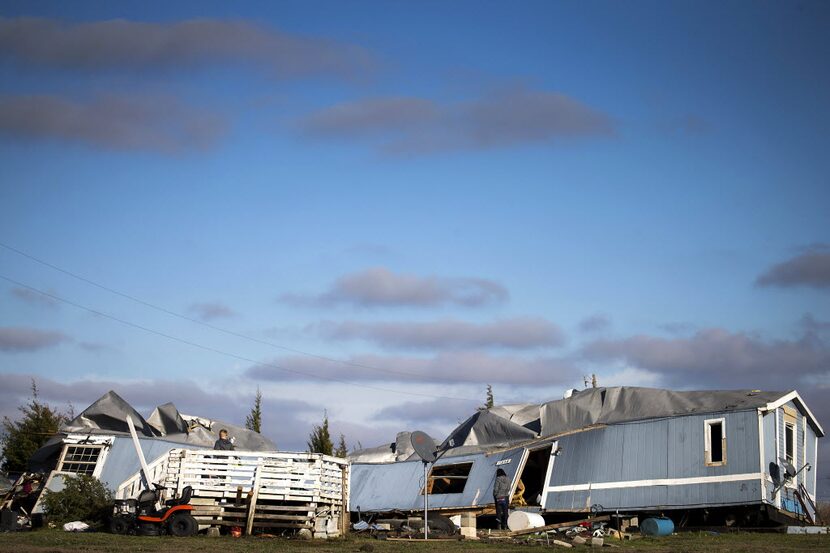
140, 516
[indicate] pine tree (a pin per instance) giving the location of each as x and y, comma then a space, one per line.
21, 438
341, 450
489, 402
254, 420
319, 440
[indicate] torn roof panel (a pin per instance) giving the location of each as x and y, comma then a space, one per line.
487, 429
166, 419
108, 415
623, 404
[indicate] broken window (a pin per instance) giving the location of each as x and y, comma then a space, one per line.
80, 459
715, 446
449, 478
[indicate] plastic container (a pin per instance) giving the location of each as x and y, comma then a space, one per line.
522, 520
657, 527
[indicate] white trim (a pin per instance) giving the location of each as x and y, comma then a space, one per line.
518, 475
707, 442
795, 396
553, 447
655, 482
761, 452
777, 497
815, 467
804, 448
88, 439
792, 484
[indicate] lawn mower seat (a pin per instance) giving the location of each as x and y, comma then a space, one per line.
184, 499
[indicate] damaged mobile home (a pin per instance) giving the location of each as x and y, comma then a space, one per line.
726, 457
254, 486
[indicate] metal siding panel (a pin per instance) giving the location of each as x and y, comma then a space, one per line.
811, 452
122, 462
645, 450
697, 495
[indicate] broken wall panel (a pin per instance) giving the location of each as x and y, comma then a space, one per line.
397, 486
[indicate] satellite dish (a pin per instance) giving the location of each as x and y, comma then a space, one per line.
424, 446
789, 470
775, 472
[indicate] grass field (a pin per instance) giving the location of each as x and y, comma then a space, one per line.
55, 541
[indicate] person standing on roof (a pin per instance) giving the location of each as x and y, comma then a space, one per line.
223, 443
501, 493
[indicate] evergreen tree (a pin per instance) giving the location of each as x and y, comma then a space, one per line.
254, 420
22, 437
489, 402
341, 450
319, 440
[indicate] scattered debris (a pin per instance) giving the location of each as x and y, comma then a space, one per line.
76, 526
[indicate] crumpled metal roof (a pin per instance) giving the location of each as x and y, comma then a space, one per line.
399, 450
506, 425
488, 429
623, 404
108, 415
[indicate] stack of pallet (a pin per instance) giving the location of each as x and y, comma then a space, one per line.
265, 491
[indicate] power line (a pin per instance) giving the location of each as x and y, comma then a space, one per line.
203, 323
221, 352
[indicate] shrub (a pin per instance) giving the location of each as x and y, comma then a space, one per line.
82, 498
824, 512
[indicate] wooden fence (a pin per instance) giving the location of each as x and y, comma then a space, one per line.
271, 492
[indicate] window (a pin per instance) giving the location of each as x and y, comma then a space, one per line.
449, 478
789, 442
715, 442
80, 459
790, 435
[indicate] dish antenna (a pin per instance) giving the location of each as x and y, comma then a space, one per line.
425, 448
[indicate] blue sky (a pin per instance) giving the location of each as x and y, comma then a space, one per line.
441, 194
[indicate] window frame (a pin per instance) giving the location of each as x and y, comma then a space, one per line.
429, 487
104, 443
707, 442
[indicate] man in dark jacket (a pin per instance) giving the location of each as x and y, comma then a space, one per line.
223, 443
501, 493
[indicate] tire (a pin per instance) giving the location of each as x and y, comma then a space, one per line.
120, 525
182, 525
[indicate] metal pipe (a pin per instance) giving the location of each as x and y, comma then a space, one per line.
426, 500
144, 469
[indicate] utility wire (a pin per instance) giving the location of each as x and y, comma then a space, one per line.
203, 323
221, 352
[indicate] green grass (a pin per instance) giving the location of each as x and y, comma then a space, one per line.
56, 541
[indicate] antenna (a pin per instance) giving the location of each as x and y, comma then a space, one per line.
425, 448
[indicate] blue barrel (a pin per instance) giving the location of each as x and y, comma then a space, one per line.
657, 527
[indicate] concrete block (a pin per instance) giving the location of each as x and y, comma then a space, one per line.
597, 542
469, 533
468, 520
213, 532
579, 540
806, 529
